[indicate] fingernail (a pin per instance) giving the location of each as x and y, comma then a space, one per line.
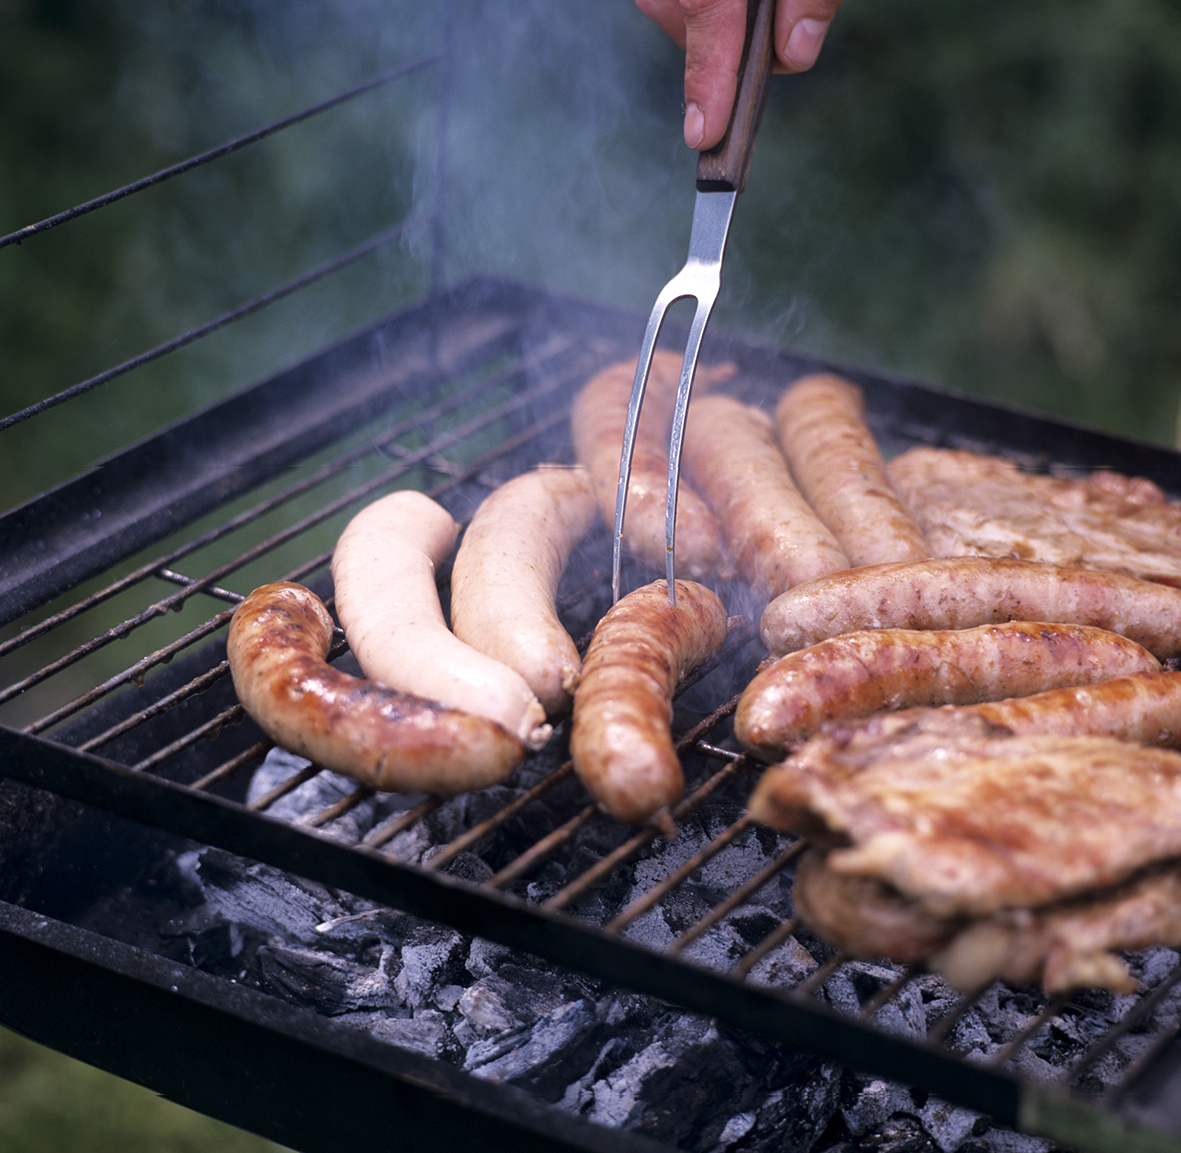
694, 126
804, 41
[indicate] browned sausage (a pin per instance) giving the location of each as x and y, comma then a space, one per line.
1144, 708
835, 460
864, 672
960, 592
597, 422
279, 637
620, 741
731, 458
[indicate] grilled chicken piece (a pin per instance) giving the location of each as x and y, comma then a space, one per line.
1067, 944
976, 505
965, 818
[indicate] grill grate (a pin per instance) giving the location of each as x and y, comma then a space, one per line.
159, 737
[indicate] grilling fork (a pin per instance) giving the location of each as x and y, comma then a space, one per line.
721, 175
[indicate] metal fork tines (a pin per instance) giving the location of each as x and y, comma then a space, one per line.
700, 278
721, 175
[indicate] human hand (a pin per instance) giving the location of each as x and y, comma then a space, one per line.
712, 33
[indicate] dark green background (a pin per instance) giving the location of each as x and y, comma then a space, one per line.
979, 196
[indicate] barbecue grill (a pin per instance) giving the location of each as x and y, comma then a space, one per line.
135, 787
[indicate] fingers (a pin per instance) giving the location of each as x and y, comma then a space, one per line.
712, 33
800, 28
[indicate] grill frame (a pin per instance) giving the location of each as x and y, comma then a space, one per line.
300, 415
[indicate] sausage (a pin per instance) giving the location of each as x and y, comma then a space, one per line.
834, 458
621, 741
388, 603
279, 637
597, 423
861, 673
960, 592
774, 537
1143, 708
506, 574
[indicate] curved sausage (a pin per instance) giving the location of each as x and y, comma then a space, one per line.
861, 673
279, 637
620, 741
835, 460
506, 574
960, 592
388, 603
731, 457
1143, 708
597, 423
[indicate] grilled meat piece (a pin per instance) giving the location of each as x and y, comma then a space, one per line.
976, 505
966, 818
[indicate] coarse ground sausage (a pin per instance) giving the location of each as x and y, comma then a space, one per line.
774, 537
597, 423
960, 592
835, 460
621, 742
860, 673
279, 637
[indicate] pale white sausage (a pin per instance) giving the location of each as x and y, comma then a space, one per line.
506, 575
388, 602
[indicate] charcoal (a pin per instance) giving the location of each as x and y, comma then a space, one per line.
950, 1126
426, 1033
430, 956
687, 1084
277, 903
485, 957
786, 966
868, 1104
794, 1118
546, 1056
324, 789
326, 983
513, 997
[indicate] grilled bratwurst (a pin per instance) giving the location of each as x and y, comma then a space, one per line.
961, 592
621, 742
861, 673
279, 637
597, 423
835, 460
774, 537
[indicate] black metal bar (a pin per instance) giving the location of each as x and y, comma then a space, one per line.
210, 326
288, 1074
54, 541
503, 919
215, 153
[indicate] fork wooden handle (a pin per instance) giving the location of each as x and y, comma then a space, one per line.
724, 167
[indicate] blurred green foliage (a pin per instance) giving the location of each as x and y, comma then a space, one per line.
982, 196
48, 1101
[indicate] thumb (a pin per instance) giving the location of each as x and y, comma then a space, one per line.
800, 28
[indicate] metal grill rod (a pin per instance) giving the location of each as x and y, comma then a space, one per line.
408, 461
229, 146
